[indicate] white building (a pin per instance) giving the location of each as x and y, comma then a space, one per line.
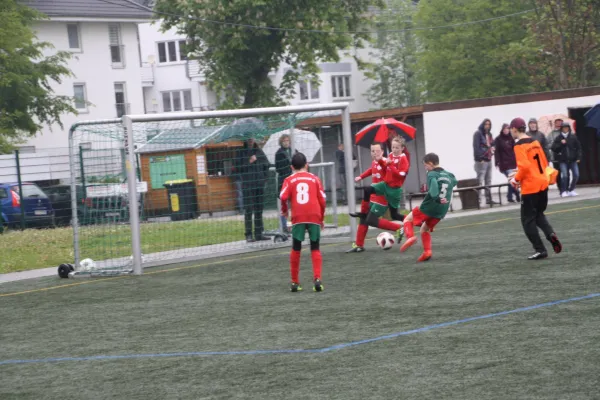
172, 83
106, 63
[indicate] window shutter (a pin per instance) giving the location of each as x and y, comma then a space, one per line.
113, 35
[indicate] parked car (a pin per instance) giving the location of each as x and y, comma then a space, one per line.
95, 208
37, 207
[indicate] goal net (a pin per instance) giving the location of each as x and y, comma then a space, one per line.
206, 184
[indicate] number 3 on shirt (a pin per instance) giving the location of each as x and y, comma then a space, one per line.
302, 193
444, 191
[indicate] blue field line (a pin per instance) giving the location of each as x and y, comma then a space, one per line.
296, 351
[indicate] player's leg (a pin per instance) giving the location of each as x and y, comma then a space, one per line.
361, 233
544, 225
396, 216
426, 240
375, 221
314, 233
297, 238
529, 213
365, 203
414, 218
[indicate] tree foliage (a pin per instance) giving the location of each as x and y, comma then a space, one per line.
237, 59
27, 101
394, 64
562, 48
470, 61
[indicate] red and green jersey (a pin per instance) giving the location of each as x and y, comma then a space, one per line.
305, 192
376, 172
396, 170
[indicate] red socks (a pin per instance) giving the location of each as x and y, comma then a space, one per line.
295, 266
364, 207
409, 229
388, 225
317, 261
361, 234
426, 239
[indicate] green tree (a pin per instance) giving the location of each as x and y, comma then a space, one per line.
237, 59
394, 64
27, 101
562, 48
470, 61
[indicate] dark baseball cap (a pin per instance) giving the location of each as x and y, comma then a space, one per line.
518, 123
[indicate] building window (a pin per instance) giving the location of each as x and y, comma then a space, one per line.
73, 35
177, 100
309, 90
116, 48
121, 100
80, 96
340, 86
172, 51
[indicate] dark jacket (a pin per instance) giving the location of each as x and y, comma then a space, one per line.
340, 156
540, 137
505, 153
283, 165
255, 173
568, 152
482, 144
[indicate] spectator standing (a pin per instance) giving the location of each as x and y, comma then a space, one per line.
253, 165
506, 160
483, 150
341, 159
538, 135
551, 138
567, 151
283, 166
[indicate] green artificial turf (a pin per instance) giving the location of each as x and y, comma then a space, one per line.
243, 303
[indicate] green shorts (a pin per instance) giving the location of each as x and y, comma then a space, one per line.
314, 232
392, 195
377, 209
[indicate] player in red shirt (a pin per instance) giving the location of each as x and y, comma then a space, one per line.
396, 168
377, 203
305, 192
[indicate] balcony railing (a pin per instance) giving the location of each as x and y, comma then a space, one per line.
147, 75
122, 109
117, 55
194, 71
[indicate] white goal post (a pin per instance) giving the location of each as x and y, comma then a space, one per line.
129, 120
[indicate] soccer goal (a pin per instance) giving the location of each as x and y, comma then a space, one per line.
156, 189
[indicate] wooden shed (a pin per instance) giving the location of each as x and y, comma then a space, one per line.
188, 154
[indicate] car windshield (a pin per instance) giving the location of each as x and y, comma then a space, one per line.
30, 192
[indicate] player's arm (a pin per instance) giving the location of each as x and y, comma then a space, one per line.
365, 174
523, 164
403, 166
433, 188
322, 200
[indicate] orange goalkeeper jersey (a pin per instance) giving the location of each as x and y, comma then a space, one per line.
531, 166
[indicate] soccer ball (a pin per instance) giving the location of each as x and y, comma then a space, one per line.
87, 265
385, 240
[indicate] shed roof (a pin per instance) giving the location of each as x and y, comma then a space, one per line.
180, 139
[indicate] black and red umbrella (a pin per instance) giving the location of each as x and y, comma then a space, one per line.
379, 131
